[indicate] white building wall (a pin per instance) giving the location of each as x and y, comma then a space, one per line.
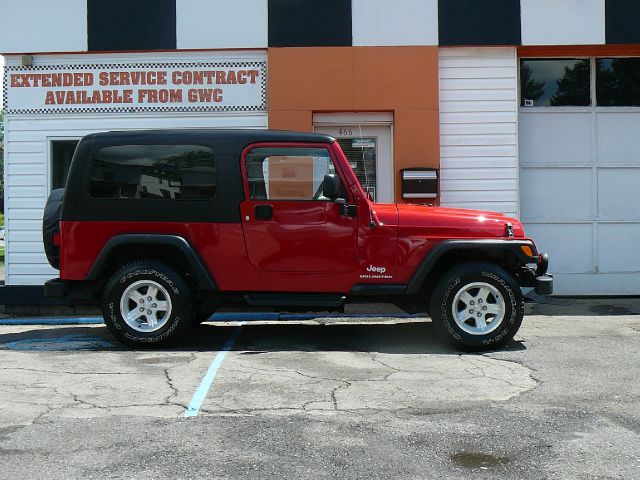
221, 24
566, 22
27, 155
401, 22
28, 26
479, 129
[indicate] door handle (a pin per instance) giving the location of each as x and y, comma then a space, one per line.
346, 210
263, 212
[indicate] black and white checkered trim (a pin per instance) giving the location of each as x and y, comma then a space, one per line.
262, 107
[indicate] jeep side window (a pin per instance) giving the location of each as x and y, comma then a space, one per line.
178, 172
291, 173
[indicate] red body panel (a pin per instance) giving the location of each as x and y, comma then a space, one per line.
307, 246
421, 228
305, 236
309, 237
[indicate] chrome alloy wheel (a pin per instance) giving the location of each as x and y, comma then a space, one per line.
478, 308
145, 306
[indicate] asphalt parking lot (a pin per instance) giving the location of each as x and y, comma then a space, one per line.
349, 397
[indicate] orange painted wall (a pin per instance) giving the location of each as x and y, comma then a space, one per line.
402, 80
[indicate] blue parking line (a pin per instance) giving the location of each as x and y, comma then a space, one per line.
52, 321
203, 389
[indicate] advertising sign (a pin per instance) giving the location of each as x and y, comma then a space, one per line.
182, 87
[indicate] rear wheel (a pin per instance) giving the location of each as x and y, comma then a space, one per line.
478, 306
147, 304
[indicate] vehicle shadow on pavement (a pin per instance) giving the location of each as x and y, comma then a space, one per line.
394, 338
63, 338
589, 307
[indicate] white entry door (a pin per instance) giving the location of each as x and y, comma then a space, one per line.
367, 148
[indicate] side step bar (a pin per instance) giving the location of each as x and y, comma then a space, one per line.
326, 300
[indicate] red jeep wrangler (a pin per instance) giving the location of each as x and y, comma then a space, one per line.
164, 227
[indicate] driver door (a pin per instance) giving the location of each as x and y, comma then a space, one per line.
288, 225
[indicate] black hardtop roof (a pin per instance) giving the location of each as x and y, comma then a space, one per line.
233, 136
227, 145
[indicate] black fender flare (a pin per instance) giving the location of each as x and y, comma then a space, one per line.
196, 266
492, 248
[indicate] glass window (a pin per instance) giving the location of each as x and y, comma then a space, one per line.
555, 82
362, 156
287, 173
181, 172
61, 155
618, 82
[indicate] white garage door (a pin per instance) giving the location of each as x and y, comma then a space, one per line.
580, 173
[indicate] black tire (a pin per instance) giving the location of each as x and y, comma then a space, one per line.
461, 278
180, 299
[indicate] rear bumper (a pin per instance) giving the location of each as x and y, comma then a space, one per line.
68, 292
56, 288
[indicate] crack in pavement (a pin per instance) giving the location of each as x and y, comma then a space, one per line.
67, 372
334, 400
335, 397
174, 390
55, 399
484, 359
414, 411
532, 370
415, 381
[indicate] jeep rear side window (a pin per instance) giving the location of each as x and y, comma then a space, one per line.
287, 173
179, 172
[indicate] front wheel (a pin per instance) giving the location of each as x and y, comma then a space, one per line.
147, 304
478, 306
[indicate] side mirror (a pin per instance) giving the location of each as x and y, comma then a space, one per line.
331, 186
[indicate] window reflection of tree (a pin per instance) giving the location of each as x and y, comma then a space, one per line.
530, 89
618, 82
574, 86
